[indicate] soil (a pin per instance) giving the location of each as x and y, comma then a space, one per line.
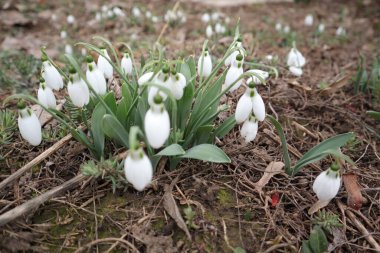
228, 210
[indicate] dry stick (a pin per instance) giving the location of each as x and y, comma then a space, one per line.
33, 204
35, 161
167, 23
134, 249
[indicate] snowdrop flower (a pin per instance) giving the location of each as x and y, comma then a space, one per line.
163, 80
205, 18
154, 19
145, 78
233, 73
183, 19
70, 19
68, 49
340, 31
63, 34
118, 12
215, 16
262, 74
250, 102
269, 57
136, 12
54, 17
104, 65
51, 75
218, 28
126, 64
110, 14
205, 59
95, 77
227, 20
295, 62
157, 116
29, 125
83, 51
177, 84
209, 31
138, 169
309, 20
287, 29
98, 16
238, 50
45, 95
104, 8
77, 89
321, 28
278, 26
249, 129
327, 184
148, 14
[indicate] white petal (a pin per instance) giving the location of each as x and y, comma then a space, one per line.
295, 58
258, 106
296, 71
249, 130
243, 108
30, 129
97, 81
52, 77
105, 66
326, 186
46, 97
157, 127
79, 93
139, 172
309, 20
182, 80
207, 65
233, 74
209, 31
126, 65
230, 58
145, 78
263, 74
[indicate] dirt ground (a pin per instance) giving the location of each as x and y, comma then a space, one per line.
228, 210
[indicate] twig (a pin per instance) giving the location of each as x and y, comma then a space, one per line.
167, 23
107, 240
33, 204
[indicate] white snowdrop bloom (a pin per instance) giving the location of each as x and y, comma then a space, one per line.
183, 19
296, 71
154, 19
215, 16
295, 59
98, 16
54, 17
321, 28
126, 64
95, 77
309, 19
157, 117
205, 18
104, 8
110, 14
249, 129
68, 49
51, 75
138, 169
269, 57
162, 79
177, 85
278, 26
327, 184
145, 78
340, 31
258, 106
287, 29
209, 31
136, 12
70, 19
207, 64
148, 14
244, 107
262, 74
29, 126
104, 65
83, 51
232, 57
233, 74
63, 34
227, 20
118, 12
78, 90
218, 28
223, 29
46, 96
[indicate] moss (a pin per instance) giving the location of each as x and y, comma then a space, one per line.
225, 198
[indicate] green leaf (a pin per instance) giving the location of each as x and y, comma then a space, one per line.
203, 134
374, 114
113, 129
284, 144
318, 241
306, 247
239, 250
96, 129
121, 112
320, 151
225, 127
184, 104
207, 152
172, 150
110, 101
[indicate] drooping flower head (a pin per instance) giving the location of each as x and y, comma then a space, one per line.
104, 65
126, 64
138, 169
177, 84
295, 62
77, 89
250, 102
29, 125
45, 95
95, 77
233, 74
205, 64
327, 184
249, 129
50, 74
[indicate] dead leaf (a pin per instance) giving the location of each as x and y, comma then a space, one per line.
299, 85
317, 206
12, 18
29, 43
154, 243
272, 169
355, 198
334, 87
172, 209
44, 116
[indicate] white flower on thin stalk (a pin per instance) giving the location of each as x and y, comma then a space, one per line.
98, 16
70, 19
295, 62
118, 12
78, 90
95, 77
238, 49
269, 57
257, 73
45, 95
138, 169
157, 117
278, 26
145, 78
321, 28
286, 29
154, 19
104, 65
162, 79
63, 34
249, 129
215, 16
51, 75
250, 102
136, 12
327, 184
205, 62
177, 84
340, 31
218, 28
68, 49
227, 20
205, 18
233, 74
209, 31
126, 64
29, 125
309, 19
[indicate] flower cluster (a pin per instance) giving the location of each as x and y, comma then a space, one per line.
215, 23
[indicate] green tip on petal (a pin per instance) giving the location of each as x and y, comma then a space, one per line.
251, 85
239, 39
72, 70
44, 57
157, 99
21, 105
174, 72
335, 167
42, 80
165, 69
89, 59
239, 57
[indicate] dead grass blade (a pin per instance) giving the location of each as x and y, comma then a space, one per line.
272, 169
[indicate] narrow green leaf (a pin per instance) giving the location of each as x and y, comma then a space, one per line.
207, 152
225, 127
318, 241
110, 100
374, 114
96, 128
239, 250
306, 247
113, 129
203, 134
172, 150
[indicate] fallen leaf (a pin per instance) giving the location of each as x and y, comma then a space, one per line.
355, 198
172, 209
12, 18
334, 87
317, 206
272, 169
299, 85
